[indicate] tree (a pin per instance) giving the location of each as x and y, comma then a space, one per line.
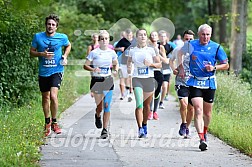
238, 34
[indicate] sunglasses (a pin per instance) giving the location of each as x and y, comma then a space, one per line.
103, 38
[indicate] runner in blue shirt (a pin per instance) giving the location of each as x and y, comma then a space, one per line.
206, 57
47, 46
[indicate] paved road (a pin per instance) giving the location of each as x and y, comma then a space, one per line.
79, 144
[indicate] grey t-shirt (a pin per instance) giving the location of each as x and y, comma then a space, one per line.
186, 59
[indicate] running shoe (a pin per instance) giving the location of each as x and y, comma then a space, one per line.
56, 128
47, 129
161, 105
187, 133
203, 145
130, 97
155, 116
182, 130
104, 133
145, 130
141, 133
150, 116
98, 122
121, 98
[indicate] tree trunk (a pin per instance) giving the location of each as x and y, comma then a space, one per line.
238, 34
223, 21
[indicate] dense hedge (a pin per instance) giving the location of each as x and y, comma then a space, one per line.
18, 72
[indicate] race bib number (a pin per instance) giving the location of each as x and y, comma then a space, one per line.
143, 71
104, 70
49, 63
204, 84
201, 83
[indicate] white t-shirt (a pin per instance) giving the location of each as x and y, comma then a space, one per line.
186, 59
102, 59
138, 56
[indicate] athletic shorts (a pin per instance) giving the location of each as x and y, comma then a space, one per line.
100, 84
45, 83
147, 84
182, 92
167, 77
206, 94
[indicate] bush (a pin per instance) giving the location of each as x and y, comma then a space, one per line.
18, 72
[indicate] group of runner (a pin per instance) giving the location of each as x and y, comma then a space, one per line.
146, 63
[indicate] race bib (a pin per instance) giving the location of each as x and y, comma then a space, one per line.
143, 71
203, 84
104, 70
49, 62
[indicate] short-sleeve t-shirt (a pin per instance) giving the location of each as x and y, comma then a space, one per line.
41, 42
186, 59
138, 56
102, 59
200, 55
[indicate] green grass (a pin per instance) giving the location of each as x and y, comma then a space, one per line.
20, 135
21, 132
232, 113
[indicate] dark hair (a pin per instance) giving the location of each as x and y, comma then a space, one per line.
190, 32
52, 17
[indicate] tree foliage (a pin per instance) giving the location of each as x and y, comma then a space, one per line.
18, 73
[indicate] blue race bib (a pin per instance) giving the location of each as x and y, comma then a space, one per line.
142, 70
104, 70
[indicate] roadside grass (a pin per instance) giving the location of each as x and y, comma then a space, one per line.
21, 133
232, 113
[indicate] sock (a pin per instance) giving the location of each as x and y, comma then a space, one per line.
144, 124
201, 135
205, 129
54, 120
47, 120
156, 100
